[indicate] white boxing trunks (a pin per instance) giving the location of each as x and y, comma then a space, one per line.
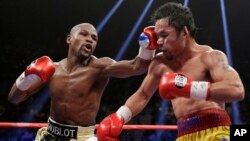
59, 131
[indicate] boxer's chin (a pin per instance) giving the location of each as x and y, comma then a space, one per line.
168, 55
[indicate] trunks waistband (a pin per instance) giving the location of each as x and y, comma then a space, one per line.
202, 120
62, 130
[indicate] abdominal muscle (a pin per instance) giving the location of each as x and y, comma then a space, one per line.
75, 111
185, 106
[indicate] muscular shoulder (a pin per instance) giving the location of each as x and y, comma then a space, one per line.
103, 62
213, 57
56, 64
59, 63
157, 65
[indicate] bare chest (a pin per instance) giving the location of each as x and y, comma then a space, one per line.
193, 68
79, 82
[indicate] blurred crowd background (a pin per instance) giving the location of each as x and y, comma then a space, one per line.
32, 28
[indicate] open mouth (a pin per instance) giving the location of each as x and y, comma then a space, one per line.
87, 47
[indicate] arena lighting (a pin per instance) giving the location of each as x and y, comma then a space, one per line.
132, 32
33, 108
164, 105
185, 3
36, 105
108, 16
234, 105
161, 119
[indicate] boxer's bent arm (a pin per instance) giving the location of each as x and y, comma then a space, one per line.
138, 101
16, 96
127, 68
227, 85
35, 75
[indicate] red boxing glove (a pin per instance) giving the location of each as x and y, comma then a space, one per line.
148, 43
177, 85
110, 128
41, 69
148, 38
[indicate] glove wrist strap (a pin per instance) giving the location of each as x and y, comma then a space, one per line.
199, 90
125, 112
24, 82
146, 54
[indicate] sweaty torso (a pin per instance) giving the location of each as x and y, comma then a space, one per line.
76, 94
198, 71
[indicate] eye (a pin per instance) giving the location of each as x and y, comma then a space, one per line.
94, 37
162, 36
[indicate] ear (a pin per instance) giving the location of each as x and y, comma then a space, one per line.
68, 39
185, 31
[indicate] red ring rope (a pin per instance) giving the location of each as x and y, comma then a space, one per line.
125, 127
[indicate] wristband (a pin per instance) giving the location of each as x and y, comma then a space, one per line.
125, 112
24, 82
146, 54
199, 90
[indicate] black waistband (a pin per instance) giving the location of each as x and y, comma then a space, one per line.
60, 130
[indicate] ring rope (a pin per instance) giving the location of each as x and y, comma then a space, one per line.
125, 127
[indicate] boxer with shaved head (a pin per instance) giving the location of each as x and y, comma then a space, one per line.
77, 83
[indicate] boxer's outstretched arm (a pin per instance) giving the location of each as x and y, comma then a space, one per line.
139, 65
127, 68
32, 79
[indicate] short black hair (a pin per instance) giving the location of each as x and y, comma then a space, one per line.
178, 17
